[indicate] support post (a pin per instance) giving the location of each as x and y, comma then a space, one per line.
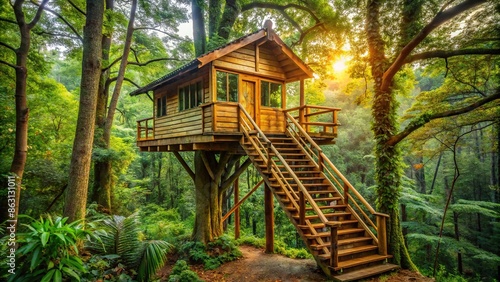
269, 219
302, 207
382, 235
334, 251
302, 104
236, 184
346, 194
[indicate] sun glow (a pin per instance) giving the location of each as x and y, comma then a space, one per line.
341, 64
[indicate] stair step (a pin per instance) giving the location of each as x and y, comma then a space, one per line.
328, 207
349, 251
366, 272
322, 225
339, 233
360, 261
315, 216
343, 242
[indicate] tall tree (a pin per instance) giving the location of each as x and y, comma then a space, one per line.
384, 69
76, 196
22, 111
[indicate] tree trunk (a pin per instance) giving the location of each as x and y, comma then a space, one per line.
76, 197
101, 189
388, 158
199, 35
207, 224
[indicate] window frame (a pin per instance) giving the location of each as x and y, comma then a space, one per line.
188, 100
282, 86
227, 82
161, 106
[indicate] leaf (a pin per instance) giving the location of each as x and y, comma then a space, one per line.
44, 238
35, 259
57, 276
47, 277
71, 273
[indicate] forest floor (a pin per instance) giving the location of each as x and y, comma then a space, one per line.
255, 265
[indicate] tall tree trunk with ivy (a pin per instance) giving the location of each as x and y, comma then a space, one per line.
76, 195
388, 166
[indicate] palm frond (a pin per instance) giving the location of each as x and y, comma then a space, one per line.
153, 257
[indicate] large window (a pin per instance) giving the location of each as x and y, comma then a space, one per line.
161, 106
227, 87
190, 96
270, 94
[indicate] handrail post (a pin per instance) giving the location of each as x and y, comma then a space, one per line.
138, 130
334, 250
346, 194
320, 160
268, 145
302, 206
381, 234
147, 128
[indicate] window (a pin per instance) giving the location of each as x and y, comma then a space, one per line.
227, 87
190, 96
161, 106
270, 94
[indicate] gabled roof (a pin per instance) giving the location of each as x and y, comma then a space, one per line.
269, 36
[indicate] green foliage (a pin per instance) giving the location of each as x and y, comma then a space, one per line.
121, 236
49, 251
182, 273
251, 241
222, 250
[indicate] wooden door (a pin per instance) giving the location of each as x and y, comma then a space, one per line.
248, 97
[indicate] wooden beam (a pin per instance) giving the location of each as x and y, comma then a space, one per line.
269, 219
238, 204
184, 164
237, 218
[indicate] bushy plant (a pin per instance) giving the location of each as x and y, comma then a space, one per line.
49, 251
182, 273
251, 241
121, 236
222, 250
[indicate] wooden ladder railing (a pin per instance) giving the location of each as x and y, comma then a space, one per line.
268, 153
350, 196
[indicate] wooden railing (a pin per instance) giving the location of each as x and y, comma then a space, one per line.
316, 120
270, 155
371, 220
145, 130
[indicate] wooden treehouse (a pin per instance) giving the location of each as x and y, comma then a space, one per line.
234, 99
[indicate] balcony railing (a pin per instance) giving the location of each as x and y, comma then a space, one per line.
145, 130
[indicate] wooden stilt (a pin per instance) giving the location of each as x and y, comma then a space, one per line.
236, 200
269, 219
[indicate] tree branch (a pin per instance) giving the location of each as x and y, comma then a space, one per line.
444, 54
156, 60
9, 64
175, 36
62, 19
306, 32
8, 46
426, 119
8, 20
76, 7
109, 81
235, 175
439, 19
38, 14
265, 5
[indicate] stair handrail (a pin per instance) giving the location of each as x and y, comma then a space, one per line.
322, 162
301, 187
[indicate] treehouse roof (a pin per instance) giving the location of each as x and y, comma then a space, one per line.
262, 36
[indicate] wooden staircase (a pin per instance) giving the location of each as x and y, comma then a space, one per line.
334, 221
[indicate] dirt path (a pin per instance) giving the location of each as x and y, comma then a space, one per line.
257, 266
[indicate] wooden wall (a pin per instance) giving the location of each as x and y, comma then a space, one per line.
243, 60
272, 120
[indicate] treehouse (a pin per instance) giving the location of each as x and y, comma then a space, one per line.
234, 99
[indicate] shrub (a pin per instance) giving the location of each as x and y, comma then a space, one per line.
182, 273
121, 236
222, 250
49, 251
